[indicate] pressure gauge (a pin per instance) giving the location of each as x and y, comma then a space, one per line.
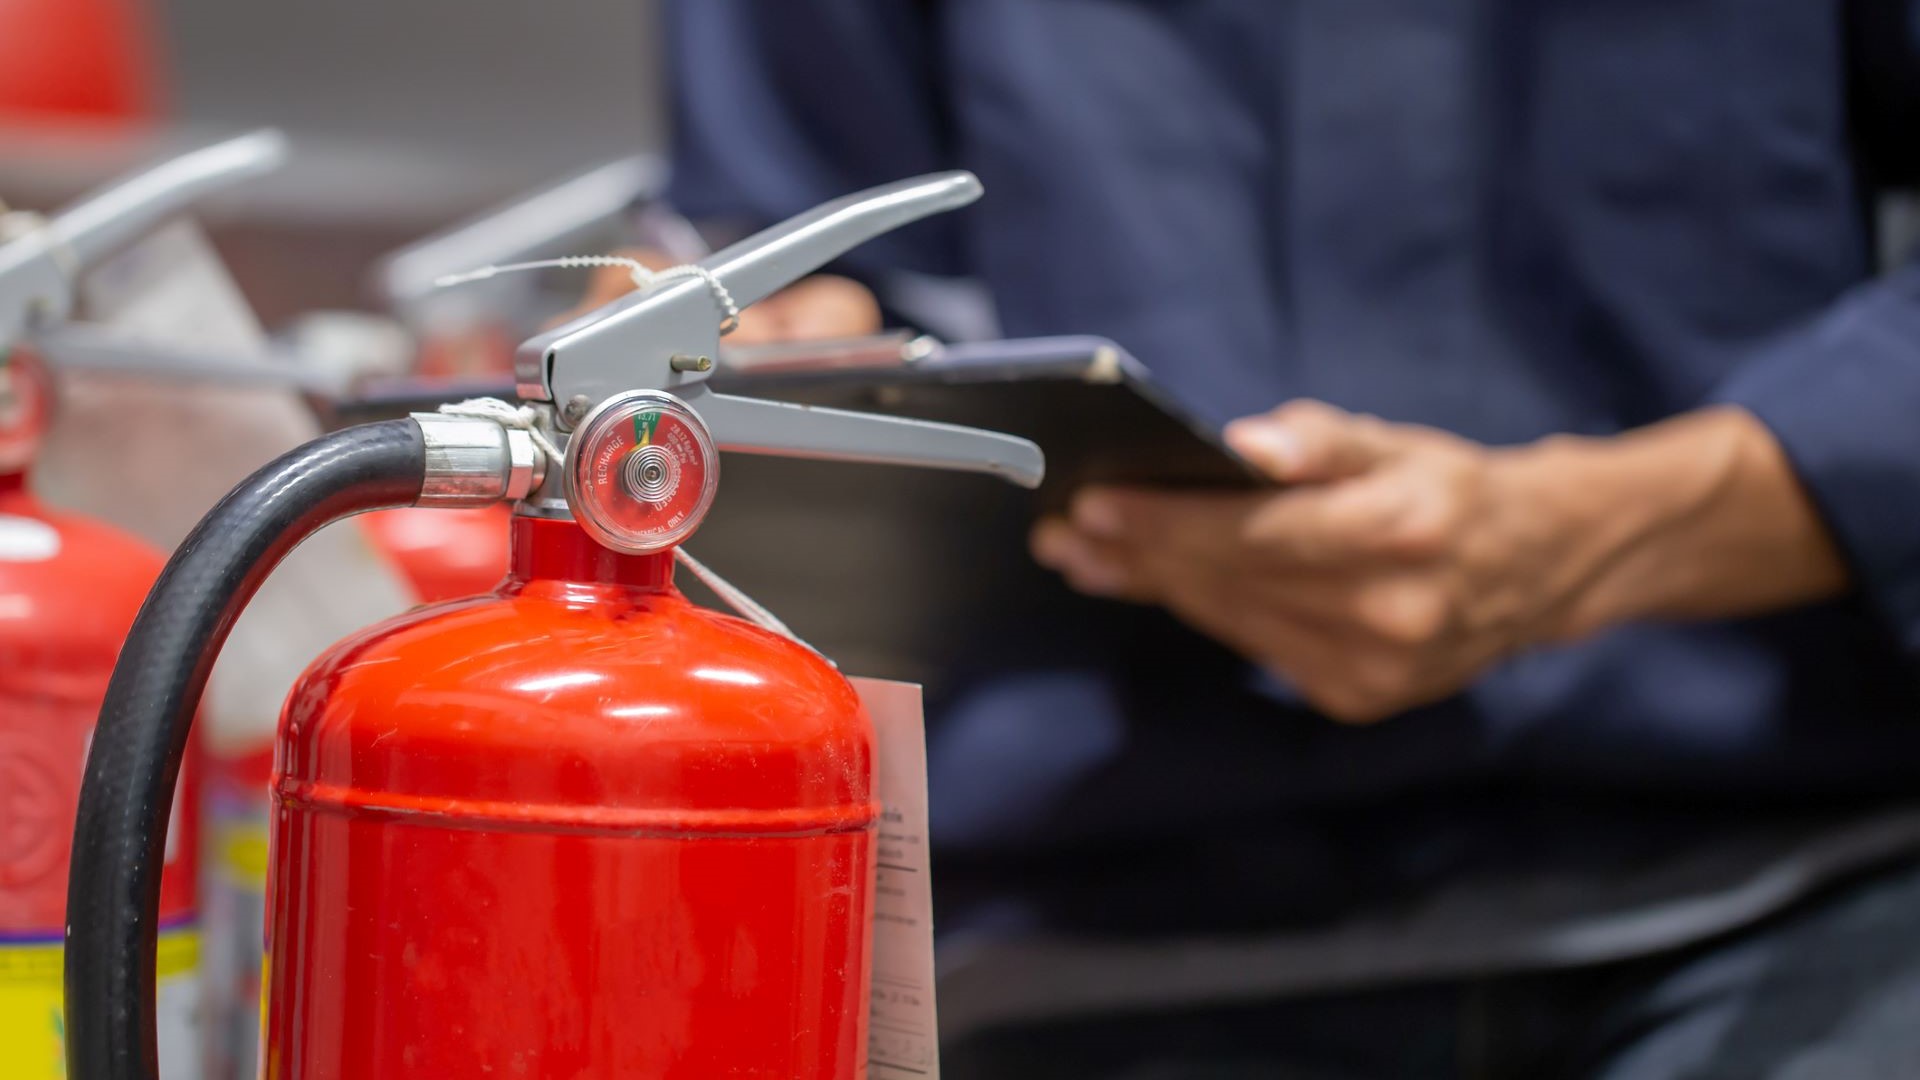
641, 471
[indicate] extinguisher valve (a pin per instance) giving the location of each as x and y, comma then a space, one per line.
653, 341
475, 461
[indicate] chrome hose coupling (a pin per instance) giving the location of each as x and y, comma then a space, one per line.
476, 461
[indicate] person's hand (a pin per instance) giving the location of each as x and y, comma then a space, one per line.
1400, 565
813, 308
1399, 562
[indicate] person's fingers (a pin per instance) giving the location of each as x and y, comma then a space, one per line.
760, 324
1386, 606
1087, 565
1144, 573
1324, 656
1390, 516
1370, 518
812, 309
1407, 609
825, 306
1194, 526
1306, 441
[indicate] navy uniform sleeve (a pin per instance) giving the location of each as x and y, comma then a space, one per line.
777, 107
1843, 394
1843, 398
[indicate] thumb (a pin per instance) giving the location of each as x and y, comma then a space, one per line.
1306, 442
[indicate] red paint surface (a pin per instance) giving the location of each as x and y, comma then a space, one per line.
444, 554
62, 621
65, 60
578, 828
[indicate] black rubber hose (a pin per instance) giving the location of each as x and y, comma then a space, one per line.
119, 836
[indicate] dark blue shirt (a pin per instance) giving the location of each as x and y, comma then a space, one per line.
1506, 220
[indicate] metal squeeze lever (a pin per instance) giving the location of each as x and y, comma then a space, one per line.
663, 338
38, 268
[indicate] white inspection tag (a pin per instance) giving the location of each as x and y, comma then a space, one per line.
902, 1037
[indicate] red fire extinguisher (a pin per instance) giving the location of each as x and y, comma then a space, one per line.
444, 555
69, 590
577, 827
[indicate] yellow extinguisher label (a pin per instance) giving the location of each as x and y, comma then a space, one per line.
33, 1030
240, 851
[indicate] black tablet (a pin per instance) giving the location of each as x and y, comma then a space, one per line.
1092, 407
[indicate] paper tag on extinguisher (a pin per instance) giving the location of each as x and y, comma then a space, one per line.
902, 1038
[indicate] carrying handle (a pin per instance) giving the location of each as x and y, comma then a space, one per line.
664, 337
774, 258
37, 268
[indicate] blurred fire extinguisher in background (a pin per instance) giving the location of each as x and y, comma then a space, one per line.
69, 589
70, 586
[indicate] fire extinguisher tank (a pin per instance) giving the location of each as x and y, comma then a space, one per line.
577, 828
71, 587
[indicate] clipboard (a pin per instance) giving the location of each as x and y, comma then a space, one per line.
1091, 406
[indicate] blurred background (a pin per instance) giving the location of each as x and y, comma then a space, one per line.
405, 115
407, 118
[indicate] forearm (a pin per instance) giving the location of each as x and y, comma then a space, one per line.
1697, 517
